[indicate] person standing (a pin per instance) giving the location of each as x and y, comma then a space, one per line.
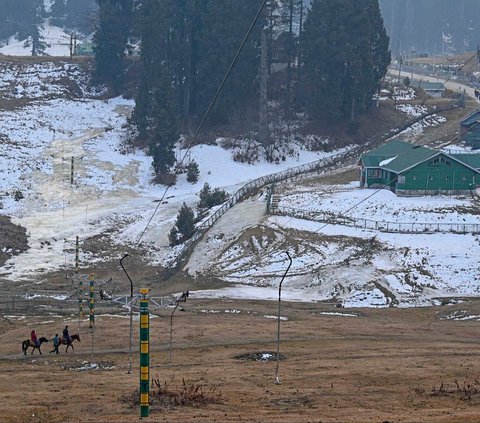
56, 342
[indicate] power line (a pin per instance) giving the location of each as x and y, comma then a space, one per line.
212, 103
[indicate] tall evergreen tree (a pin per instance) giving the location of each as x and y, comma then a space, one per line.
35, 40
219, 41
162, 131
345, 55
59, 9
290, 13
110, 40
155, 111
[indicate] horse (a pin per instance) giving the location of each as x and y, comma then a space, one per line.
29, 343
63, 341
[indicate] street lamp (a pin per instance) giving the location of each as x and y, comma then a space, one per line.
277, 380
180, 299
131, 314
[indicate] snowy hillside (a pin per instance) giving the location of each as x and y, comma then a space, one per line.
56, 39
112, 195
50, 113
334, 262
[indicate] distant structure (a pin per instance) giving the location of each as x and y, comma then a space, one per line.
432, 89
414, 170
470, 130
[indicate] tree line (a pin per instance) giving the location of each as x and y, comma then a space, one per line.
327, 59
432, 26
26, 18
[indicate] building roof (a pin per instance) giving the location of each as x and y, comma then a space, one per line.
429, 86
398, 156
471, 119
472, 160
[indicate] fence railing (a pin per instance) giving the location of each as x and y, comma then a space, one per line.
381, 226
332, 162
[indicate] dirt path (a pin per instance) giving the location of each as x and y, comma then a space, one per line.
383, 365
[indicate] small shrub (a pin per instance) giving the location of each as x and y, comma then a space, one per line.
18, 195
163, 396
168, 179
184, 226
209, 198
173, 236
193, 172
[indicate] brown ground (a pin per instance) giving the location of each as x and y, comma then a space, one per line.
378, 367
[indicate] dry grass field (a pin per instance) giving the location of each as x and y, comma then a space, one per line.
368, 365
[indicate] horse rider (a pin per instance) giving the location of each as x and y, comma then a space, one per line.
33, 337
66, 336
56, 343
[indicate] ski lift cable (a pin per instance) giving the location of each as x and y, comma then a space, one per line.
210, 107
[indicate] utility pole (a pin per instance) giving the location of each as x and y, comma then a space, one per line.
262, 127
400, 60
277, 379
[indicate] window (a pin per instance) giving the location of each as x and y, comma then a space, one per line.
376, 173
414, 177
464, 178
439, 160
447, 178
401, 179
430, 177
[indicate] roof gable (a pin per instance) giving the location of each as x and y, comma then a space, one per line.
471, 119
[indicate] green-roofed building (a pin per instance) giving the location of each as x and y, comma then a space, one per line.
410, 170
432, 89
470, 130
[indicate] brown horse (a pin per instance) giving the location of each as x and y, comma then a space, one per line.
28, 343
63, 341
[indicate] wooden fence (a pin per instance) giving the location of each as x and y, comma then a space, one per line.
330, 163
381, 226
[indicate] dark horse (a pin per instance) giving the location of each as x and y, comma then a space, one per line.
29, 343
74, 337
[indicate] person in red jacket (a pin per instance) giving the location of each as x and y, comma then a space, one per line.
33, 337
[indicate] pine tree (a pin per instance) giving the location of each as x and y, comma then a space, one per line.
173, 236
162, 131
34, 40
193, 172
110, 40
345, 56
185, 222
204, 195
59, 10
219, 40
290, 12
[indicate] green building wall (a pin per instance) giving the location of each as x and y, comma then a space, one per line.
376, 178
444, 176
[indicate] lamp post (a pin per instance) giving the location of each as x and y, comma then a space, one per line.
131, 314
181, 299
277, 380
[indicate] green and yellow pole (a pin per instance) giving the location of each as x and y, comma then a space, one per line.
80, 282
91, 304
144, 354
